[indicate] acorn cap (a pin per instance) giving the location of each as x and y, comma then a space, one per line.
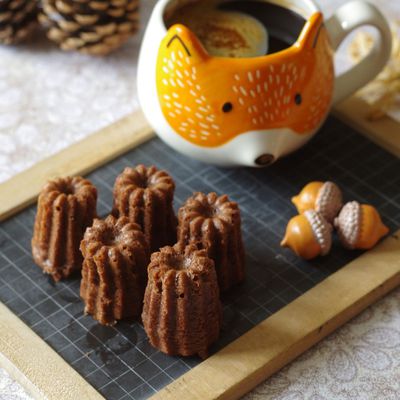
324, 197
348, 224
321, 229
308, 235
359, 226
329, 200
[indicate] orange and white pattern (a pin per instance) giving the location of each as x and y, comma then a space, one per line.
210, 100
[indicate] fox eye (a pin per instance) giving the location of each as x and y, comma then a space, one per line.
227, 107
298, 99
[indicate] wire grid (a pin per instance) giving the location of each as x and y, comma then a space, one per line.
119, 361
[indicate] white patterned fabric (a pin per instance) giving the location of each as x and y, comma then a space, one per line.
360, 361
50, 99
11, 390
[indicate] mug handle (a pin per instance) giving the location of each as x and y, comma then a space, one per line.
347, 18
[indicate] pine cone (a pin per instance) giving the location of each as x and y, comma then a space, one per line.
90, 26
17, 19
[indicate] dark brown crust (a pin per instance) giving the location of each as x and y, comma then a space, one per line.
213, 223
182, 312
145, 196
114, 269
66, 207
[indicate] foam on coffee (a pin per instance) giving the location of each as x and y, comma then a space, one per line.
223, 33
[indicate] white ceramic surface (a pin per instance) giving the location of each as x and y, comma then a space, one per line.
247, 147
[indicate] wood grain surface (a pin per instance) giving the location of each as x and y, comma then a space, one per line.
385, 131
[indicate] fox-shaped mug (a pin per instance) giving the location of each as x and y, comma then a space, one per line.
251, 111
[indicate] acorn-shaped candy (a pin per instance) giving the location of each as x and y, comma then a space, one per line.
359, 226
324, 197
308, 235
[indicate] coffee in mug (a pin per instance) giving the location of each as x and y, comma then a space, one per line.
223, 32
283, 25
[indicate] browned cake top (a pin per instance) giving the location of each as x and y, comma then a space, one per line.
210, 206
145, 178
70, 186
114, 233
180, 259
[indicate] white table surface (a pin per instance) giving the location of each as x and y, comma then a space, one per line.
50, 99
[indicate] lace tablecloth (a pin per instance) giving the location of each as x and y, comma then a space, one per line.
50, 99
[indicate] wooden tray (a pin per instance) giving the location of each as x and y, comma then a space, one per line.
247, 361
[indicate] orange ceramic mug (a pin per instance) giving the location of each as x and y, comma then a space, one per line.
251, 111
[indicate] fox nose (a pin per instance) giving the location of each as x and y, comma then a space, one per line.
264, 159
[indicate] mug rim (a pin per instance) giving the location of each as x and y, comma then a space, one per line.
310, 8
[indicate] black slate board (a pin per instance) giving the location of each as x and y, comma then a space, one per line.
118, 361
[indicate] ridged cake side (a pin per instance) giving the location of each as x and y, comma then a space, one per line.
66, 207
114, 273
182, 312
213, 222
145, 195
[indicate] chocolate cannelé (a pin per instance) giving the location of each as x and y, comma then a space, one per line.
213, 222
66, 207
145, 196
114, 273
181, 311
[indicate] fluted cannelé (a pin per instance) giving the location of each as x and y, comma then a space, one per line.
145, 196
114, 269
182, 312
66, 207
213, 223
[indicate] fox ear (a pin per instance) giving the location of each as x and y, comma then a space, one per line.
184, 43
309, 35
